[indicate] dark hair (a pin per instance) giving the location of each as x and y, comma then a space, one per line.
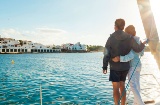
120, 23
130, 30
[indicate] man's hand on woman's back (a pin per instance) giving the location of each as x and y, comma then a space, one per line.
116, 59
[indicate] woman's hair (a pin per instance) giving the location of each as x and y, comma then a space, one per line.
120, 23
130, 30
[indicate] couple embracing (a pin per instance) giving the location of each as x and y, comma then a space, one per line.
122, 52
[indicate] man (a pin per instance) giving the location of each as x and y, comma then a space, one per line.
119, 43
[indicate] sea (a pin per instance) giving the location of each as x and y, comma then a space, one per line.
66, 79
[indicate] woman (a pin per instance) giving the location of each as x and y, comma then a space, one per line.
135, 65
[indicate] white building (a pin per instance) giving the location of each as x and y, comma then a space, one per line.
75, 47
79, 46
9, 45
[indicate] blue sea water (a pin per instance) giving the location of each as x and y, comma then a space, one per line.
65, 78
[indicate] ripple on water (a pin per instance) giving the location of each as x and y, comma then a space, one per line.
66, 79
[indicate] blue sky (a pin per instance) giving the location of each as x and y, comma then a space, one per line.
66, 21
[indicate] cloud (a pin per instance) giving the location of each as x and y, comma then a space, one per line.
11, 33
48, 36
39, 35
51, 31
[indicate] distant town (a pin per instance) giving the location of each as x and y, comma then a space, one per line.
12, 46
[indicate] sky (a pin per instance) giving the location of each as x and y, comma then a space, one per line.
66, 21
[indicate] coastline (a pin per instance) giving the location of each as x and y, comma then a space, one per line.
55, 52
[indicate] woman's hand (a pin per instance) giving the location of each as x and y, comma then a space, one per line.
146, 41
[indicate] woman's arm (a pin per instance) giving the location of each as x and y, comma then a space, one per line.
127, 57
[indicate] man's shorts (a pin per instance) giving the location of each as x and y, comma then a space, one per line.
117, 76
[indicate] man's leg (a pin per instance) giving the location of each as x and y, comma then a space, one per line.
122, 92
116, 94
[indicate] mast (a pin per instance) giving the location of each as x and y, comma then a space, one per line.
150, 28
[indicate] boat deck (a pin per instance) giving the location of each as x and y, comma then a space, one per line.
150, 95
